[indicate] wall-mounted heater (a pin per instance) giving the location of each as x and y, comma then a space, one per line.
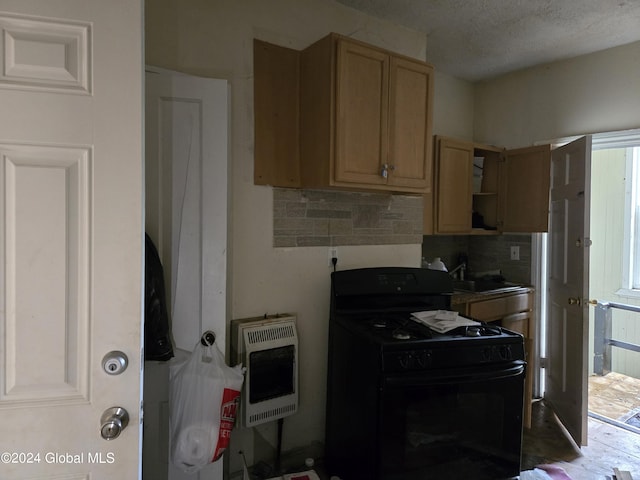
268, 348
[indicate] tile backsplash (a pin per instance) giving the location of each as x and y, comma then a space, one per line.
484, 253
303, 218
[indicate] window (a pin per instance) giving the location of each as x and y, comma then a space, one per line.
631, 280
624, 146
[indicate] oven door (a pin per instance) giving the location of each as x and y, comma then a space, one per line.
465, 423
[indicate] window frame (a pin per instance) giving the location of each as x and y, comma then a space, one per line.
631, 246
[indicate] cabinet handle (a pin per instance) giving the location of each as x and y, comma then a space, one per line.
385, 170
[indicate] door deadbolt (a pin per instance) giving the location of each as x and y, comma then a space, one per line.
113, 421
115, 362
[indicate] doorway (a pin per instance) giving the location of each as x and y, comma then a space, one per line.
614, 231
614, 273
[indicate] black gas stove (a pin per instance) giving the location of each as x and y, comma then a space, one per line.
422, 404
407, 345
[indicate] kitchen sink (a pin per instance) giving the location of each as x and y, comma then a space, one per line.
481, 285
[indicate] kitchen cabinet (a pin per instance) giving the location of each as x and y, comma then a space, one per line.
276, 92
276, 115
483, 189
363, 117
512, 310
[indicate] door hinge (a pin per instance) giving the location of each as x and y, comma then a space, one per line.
543, 362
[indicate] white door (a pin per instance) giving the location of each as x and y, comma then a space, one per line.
71, 236
568, 317
186, 206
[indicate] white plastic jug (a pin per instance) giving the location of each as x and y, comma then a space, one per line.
437, 264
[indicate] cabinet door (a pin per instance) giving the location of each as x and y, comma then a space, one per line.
410, 103
454, 170
524, 190
518, 322
501, 307
362, 88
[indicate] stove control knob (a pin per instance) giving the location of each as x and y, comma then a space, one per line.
421, 359
505, 352
487, 354
404, 359
424, 358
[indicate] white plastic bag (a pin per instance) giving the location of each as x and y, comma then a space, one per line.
205, 394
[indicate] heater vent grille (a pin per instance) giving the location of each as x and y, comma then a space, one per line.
272, 414
269, 333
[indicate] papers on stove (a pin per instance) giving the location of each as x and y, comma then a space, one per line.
442, 321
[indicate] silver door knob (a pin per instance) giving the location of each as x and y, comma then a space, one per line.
113, 422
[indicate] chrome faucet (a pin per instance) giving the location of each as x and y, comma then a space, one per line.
460, 269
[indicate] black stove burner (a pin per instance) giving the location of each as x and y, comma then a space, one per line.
401, 335
482, 330
392, 327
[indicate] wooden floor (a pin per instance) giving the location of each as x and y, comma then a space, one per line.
614, 396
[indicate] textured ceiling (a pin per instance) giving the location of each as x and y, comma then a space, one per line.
480, 39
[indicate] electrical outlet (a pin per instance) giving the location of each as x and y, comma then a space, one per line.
333, 253
515, 253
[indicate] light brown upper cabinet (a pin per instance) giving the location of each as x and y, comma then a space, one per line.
276, 91
484, 190
357, 117
365, 117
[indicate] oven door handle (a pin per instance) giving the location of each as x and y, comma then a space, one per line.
458, 376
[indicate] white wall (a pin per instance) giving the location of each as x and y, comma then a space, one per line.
214, 38
593, 93
453, 106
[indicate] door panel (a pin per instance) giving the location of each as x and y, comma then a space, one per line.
71, 235
361, 114
46, 190
568, 329
454, 175
410, 101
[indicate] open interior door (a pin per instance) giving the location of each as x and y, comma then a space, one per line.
186, 132
568, 317
71, 238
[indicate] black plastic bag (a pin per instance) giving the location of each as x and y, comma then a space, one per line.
158, 344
